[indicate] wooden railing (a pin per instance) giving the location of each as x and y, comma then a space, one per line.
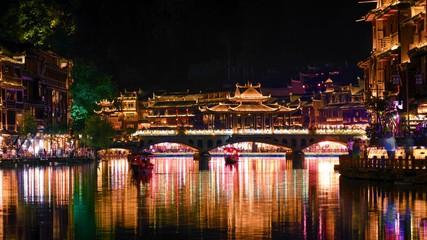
400, 163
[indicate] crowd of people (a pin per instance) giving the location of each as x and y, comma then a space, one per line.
358, 148
17, 148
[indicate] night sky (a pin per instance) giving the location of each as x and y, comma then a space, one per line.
187, 44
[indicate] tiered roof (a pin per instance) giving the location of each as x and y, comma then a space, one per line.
107, 107
248, 98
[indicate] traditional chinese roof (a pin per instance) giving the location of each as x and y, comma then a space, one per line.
354, 105
221, 107
248, 93
253, 107
107, 107
9, 59
174, 104
105, 103
249, 99
105, 111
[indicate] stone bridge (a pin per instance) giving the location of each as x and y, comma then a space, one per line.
204, 141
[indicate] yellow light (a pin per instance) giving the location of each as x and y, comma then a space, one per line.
394, 47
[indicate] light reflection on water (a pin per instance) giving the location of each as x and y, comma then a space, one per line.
257, 198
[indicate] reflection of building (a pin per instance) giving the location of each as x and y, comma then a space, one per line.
35, 80
396, 67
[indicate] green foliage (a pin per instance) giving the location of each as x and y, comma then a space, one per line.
89, 86
98, 133
29, 124
376, 104
51, 24
384, 112
43, 23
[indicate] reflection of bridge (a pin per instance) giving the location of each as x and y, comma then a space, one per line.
204, 141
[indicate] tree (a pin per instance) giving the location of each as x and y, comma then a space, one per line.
43, 23
52, 24
384, 112
97, 133
89, 86
29, 124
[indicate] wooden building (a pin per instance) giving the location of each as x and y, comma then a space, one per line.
248, 108
47, 80
340, 107
397, 65
180, 110
12, 91
37, 81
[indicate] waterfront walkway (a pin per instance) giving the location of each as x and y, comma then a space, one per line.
49, 161
400, 170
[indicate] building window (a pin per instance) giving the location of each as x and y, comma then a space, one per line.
10, 95
19, 97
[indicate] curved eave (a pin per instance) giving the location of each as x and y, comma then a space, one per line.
104, 103
104, 112
253, 108
288, 110
11, 60
417, 51
365, 63
108, 110
413, 20
253, 99
388, 54
220, 108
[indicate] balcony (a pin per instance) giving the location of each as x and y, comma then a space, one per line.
387, 43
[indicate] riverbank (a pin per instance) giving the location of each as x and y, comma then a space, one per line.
37, 161
399, 170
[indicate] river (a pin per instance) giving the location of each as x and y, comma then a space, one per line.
259, 198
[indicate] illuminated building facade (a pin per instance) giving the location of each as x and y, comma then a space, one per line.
332, 106
180, 110
109, 112
328, 99
12, 91
248, 108
125, 112
47, 81
35, 80
396, 68
134, 110
340, 106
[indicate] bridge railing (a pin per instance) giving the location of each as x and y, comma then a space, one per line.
246, 132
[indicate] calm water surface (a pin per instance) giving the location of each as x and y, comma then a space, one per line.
260, 198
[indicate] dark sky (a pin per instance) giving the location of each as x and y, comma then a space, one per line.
188, 44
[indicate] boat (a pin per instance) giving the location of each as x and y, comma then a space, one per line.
231, 155
140, 163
